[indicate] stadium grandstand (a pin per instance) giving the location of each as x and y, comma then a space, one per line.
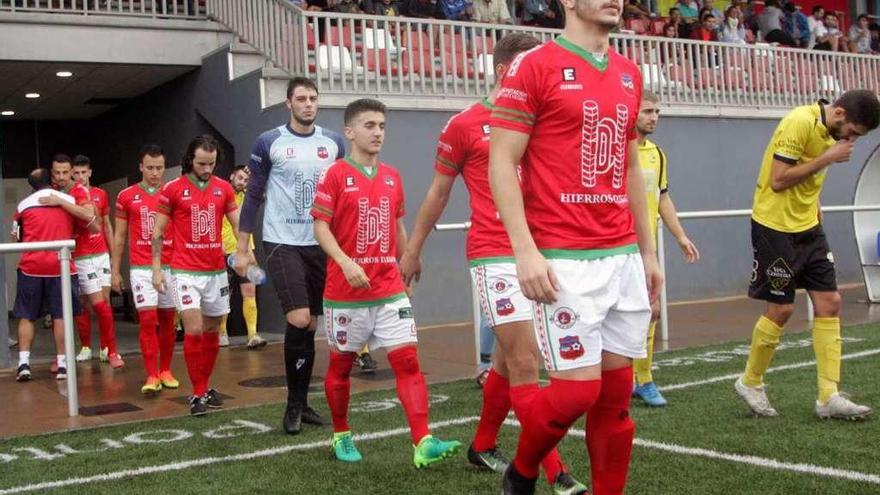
94, 81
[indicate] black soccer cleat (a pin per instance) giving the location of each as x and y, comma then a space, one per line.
514, 483
197, 406
491, 459
292, 422
367, 363
311, 417
24, 373
213, 400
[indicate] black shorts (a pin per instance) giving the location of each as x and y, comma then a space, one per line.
784, 262
297, 272
36, 296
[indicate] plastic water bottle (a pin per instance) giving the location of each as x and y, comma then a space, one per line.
254, 274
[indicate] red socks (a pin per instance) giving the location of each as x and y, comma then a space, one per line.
411, 390
192, 354
166, 338
210, 349
610, 433
522, 397
106, 325
149, 341
84, 327
496, 404
553, 411
337, 388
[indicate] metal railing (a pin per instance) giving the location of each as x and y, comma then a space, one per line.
64, 249
661, 257
192, 9
400, 56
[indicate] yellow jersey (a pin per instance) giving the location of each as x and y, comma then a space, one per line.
800, 137
230, 242
653, 163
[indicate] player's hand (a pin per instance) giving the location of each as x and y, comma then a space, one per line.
410, 267
653, 277
688, 250
116, 282
355, 275
840, 151
536, 277
244, 259
158, 281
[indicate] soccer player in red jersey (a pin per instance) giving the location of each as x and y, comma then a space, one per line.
194, 204
136, 210
463, 148
93, 263
567, 112
358, 212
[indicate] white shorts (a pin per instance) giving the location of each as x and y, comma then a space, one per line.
385, 325
93, 273
602, 306
208, 292
497, 288
145, 295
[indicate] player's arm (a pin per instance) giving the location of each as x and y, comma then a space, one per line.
353, 272
258, 169
84, 213
670, 218
429, 212
117, 250
506, 149
156, 250
786, 172
638, 205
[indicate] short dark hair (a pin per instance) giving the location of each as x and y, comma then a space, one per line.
817, 8
789, 7
674, 9
238, 168
40, 178
861, 106
82, 161
512, 45
648, 95
830, 14
61, 158
358, 107
153, 150
707, 16
300, 82
205, 142
862, 16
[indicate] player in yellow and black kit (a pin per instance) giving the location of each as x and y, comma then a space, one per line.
653, 163
790, 249
239, 180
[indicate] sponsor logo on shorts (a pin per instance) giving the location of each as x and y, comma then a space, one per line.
564, 318
500, 285
779, 275
343, 320
224, 291
405, 313
186, 299
92, 276
504, 307
140, 298
342, 337
105, 271
570, 347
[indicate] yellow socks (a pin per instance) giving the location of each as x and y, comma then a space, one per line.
827, 346
249, 311
642, 367
223, 324
765, 338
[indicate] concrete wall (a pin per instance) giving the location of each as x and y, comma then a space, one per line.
713, 165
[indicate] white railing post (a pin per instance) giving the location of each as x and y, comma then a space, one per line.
69, 345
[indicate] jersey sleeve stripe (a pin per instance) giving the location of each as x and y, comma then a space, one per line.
517, 120
785, 159
448, 163
324, 210
513, 111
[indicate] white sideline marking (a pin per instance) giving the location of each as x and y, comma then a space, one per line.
734, 376
179, 466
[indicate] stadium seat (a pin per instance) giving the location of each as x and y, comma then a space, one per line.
639, 26
454, 42
342, 33
457, 64
485, 66
486, 43
334, 58
383, 62
379, 38
657, 26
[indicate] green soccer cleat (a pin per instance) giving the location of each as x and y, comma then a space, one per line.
430, 450
344, 448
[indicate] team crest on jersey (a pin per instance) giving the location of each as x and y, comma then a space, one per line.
568, 74
564, 318
626, 81
504, 307
290, 152
186, 299
570, 347
217, 192
499, 285
343, 320
389, 181
323, 153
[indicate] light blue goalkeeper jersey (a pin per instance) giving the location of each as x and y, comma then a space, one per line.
285, 167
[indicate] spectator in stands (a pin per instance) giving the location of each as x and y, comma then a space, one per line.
316, 5
492, 11
387, 8
770, 23
797, 25
860, 35
633, 9
676, 19
455, 10
749, 16
670, 30
710, 5
832, 38
422, 9
875, 37
732, 30
345, 7
816, 24
688, 8
543, 14
707, 31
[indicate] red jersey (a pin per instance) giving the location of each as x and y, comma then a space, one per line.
580, 114
36, 223
463, 148
196, 211
362, 210
93, 243
138, 205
